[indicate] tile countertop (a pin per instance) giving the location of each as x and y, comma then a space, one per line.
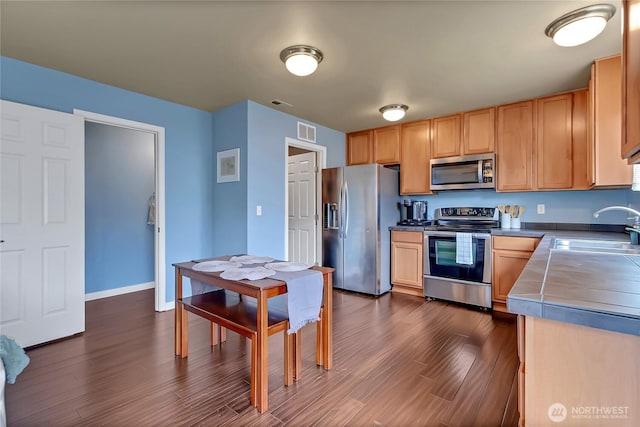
585, 288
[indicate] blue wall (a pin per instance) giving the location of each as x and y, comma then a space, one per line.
262, 131
230, 210
267, 131
188, 150
560, 206
119, 180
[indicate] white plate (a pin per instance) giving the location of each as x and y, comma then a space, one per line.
215, 265
251, 259
251, 273
288, 266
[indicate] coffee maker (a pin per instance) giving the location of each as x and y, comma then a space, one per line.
413, 212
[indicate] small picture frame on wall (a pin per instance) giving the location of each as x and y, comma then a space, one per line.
229, 165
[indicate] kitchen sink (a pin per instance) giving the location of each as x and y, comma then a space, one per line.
601, 246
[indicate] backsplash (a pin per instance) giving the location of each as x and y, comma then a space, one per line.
560, 206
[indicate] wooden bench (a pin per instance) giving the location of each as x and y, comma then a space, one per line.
228, 310
218, 334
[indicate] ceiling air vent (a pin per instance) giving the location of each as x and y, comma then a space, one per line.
306, 132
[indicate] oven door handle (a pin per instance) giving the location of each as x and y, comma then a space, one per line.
452, 234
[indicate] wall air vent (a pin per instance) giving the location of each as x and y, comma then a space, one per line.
306, 132
279, 102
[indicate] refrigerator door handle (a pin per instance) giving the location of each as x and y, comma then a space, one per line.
341, 212
346, 209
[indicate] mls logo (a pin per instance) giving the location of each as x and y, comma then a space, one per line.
557, 412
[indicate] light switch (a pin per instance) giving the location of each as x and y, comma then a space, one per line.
259, 210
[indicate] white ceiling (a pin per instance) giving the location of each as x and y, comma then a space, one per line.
438, 57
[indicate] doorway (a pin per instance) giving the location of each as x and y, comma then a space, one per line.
157, 198
303, 188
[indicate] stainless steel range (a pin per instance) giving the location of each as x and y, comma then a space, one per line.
457, 255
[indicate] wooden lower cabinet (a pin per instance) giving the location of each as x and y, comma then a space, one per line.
588, 375
406, 262
510, 255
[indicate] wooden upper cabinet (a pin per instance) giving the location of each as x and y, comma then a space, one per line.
554, 142
479, 131
415, 171
360, 148
582, 148
609, 169
514, 148
386, 145
630, 145
446, 136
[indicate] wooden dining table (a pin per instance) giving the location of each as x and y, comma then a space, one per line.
262, 290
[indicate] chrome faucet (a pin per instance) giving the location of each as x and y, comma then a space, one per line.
636, 221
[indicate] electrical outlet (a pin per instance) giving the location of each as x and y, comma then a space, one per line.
259, 210
541, 209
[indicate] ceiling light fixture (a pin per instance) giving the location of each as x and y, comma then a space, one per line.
581, 25
393, 112
300, 59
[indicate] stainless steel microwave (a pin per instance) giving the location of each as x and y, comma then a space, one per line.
463, 172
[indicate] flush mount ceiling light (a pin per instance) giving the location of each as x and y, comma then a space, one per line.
301, 60
581, 25
393, 112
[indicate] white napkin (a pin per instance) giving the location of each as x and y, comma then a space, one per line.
304, 296
251, 259
251, 273
464, 248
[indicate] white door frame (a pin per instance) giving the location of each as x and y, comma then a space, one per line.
158, 132
321, 163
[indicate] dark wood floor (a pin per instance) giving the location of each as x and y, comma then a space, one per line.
399, 361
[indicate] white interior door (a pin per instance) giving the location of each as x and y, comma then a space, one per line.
41, 224
301, 171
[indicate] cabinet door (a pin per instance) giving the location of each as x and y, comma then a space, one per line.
406, 264
610, 169
554, 143
631, 80
359, 148
514, 152
582, 175
446, 136
507, 266
582, 171
479, 131
415, 171
386, 143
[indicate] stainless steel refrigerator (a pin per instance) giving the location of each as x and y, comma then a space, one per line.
359, 203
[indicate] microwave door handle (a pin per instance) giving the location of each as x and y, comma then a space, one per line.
480, 178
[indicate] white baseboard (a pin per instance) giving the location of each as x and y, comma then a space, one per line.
171, 305
119, 291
